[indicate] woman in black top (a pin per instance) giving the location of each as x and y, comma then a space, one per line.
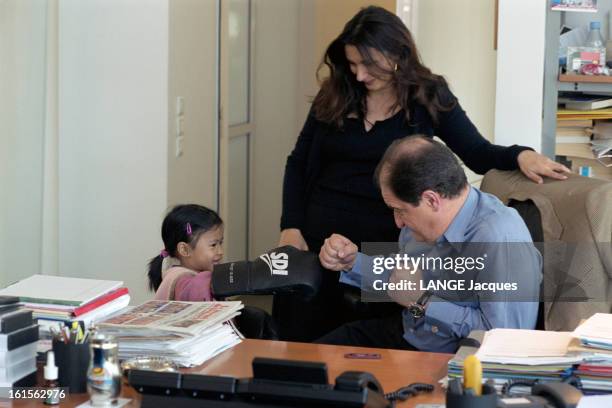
377, 91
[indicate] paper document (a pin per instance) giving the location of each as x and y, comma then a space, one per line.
597, 326
595, 401
525, 343
527, 347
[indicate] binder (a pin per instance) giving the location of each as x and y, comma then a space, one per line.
14, 320
18, 338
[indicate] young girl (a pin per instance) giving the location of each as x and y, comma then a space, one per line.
193, 244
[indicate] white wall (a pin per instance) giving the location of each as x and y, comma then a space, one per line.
22, 97
192, 177
113, 123
520, 72
455, 39
275, 78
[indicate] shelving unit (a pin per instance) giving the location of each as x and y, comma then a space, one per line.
555, 83
584, 83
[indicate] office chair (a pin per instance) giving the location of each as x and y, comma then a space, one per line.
530, 213
255, 323
573, 232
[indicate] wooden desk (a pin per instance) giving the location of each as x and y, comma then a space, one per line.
394, 370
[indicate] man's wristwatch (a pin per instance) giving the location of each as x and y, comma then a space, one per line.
417, 310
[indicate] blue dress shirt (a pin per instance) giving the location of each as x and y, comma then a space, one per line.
511, 257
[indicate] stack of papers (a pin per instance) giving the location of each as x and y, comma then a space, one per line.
533, 355
519, 355
595, 336
189, 333
56, 300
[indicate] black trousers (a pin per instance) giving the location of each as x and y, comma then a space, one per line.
306, 319
380, 333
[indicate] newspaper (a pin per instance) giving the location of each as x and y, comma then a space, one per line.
171, 318
189, 351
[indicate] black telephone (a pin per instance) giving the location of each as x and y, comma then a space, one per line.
275, 383
549, 395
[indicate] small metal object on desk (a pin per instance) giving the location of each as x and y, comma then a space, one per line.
151, 363
103, 376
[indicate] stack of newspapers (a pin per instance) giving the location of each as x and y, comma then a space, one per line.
188, 333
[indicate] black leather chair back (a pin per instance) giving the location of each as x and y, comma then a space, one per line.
531, 215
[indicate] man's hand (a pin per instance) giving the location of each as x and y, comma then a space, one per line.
535, 165
406, 297
338, 253
293, 237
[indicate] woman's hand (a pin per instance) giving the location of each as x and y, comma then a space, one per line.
534, 166
293, 237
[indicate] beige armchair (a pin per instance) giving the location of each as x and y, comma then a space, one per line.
576, 229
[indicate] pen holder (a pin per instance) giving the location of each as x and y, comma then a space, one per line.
72, 361
488, 399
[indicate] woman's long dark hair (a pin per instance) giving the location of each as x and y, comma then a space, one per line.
175, 229
376, 28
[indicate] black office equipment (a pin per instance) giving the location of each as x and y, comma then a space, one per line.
7, 301
13, 319
275, 384
548, 395
72, 361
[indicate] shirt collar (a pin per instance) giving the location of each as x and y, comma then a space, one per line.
456, 230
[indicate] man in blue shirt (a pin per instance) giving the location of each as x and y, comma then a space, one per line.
456, 227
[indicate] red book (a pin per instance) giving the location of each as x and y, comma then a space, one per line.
102, 300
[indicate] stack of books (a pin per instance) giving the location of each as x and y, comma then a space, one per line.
188, 333
573, 139
584, 102
595, 336
60, 300
601, 144
574, 130
587, 143
18, 338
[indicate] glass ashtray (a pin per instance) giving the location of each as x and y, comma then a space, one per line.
160, 364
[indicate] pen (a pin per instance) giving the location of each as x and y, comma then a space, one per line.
80, 335
472, 374
74, 333
65, 334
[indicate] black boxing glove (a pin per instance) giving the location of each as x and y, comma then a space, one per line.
280, 270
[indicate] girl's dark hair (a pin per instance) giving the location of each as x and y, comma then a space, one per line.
184, 223
376, 28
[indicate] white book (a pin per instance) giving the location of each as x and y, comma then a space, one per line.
60, 290
573, 139
586, 102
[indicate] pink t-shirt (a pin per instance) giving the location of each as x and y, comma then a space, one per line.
193, 288
189, 286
